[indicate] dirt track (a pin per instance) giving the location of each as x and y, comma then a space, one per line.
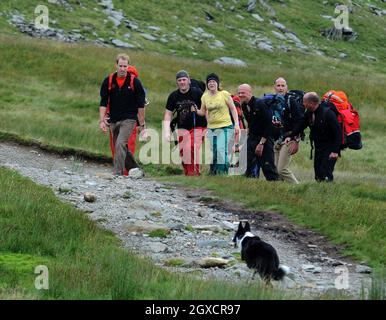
126, 205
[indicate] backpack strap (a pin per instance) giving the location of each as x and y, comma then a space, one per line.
309, 115
111, 81
132, 76
109, 90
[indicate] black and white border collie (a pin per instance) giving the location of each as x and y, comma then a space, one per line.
259, 255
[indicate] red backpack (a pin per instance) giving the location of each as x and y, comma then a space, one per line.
236, 101
348, 117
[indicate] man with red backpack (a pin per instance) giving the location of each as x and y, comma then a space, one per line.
124, 95
325, 133
131, 143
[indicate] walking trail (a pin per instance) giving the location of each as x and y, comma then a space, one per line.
199, 229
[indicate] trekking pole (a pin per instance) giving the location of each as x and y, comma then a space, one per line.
194, 147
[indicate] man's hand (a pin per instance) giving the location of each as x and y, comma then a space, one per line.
333, 156
277, 123
237, 134
103, 126
287, 140
167, 135
143, 136
259, 149
293, 148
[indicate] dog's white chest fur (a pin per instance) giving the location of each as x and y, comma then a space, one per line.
246, 235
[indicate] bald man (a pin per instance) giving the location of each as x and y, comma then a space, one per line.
326, 135
259, 142
292, 116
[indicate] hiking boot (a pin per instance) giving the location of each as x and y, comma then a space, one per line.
136, 173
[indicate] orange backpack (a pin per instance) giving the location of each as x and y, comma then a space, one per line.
348, 117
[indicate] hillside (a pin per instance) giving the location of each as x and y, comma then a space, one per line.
251, 31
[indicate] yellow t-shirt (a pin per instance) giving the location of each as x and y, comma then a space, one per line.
218, 111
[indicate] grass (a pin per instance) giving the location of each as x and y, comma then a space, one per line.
175, 262
84, 262
189, 228
159, 233
55, 105
328, 209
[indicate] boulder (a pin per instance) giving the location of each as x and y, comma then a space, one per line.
363, 269
157, 247
213, 228
210, 262
120, 44
231, 61
148, 37
257, 17
89, 197
265, 46
251, 5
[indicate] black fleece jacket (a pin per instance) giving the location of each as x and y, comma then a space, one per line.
259, 118
325, 129
124, 101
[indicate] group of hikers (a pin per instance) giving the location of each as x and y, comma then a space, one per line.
274, 124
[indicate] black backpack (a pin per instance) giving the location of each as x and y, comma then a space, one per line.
198, 84
277, 106
295, 96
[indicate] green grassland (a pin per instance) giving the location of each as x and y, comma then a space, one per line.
49, 92
83, 261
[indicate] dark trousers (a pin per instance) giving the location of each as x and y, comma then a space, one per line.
266, 162
323, 165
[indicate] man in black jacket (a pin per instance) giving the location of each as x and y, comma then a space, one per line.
326, 134
259, 143
126, 103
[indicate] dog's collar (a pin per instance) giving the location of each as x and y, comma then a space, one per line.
246, 235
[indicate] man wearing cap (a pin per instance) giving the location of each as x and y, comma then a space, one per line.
191, 127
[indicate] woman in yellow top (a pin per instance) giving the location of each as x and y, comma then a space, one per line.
217, 105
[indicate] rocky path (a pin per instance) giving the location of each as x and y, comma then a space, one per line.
198, 230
